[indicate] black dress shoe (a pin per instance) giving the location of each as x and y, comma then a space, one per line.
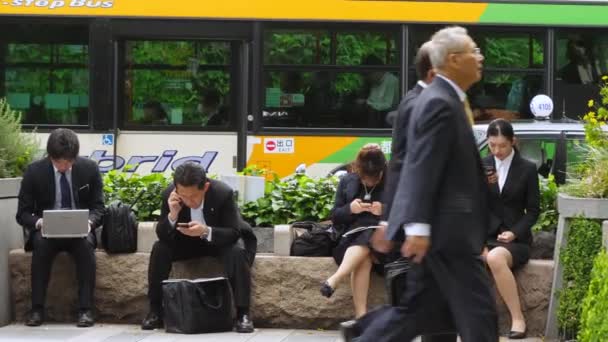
326, 290
349, 331
85, 319
152, 321
244, 325
516, 335
34, 318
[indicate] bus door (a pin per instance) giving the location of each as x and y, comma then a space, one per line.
179, 94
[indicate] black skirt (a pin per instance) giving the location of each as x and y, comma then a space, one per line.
361, 239
520, 252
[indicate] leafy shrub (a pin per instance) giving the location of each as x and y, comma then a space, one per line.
594, 321
299, 198
547, 220
125, 187
16, 149
584, 242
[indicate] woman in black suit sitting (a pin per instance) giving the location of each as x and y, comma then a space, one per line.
514, 208
357, 205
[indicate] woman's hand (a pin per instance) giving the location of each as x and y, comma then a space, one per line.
357, 206
506, 237
376, 208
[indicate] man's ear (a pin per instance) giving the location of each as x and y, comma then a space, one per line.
206, 186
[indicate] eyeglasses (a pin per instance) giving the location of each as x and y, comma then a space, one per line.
476, 51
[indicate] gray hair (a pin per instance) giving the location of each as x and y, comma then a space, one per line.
445, 41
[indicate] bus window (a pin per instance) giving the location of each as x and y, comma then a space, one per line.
45, 75
183, 83
307, 84
513, 70
581, 61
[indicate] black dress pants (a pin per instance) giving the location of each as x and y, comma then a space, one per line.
442, 293
44, 252
236, 260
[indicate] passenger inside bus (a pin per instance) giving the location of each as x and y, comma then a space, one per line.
154, 114
383, 95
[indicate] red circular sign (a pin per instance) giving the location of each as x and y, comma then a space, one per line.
271, 145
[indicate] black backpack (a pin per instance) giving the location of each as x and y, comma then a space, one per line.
313, 239
119, 233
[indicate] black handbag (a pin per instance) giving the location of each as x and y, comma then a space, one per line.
395, 275
197, 306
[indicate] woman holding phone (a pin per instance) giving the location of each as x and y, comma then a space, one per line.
358, 204
514, 208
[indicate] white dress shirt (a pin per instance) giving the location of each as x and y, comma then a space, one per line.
502, 169
424, 229
196, 215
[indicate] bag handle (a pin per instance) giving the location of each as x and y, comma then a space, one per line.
202, 295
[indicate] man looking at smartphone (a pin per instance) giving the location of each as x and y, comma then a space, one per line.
199, 217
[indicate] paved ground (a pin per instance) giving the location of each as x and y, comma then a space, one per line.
132, 333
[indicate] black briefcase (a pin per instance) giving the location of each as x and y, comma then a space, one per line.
197, 306
395, 274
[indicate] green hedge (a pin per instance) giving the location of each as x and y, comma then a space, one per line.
594, 317
584, 242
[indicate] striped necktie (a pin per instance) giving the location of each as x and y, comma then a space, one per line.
468, 111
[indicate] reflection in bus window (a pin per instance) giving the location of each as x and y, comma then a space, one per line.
307, 84
581, 61
513, 71
177, 83
44, 70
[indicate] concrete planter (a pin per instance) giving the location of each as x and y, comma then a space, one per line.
12, 238
569, 207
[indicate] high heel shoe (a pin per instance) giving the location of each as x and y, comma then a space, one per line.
326, 290
517, 335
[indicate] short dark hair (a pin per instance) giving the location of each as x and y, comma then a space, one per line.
423, 62
63, 144
501, 127
189, 174
372, 60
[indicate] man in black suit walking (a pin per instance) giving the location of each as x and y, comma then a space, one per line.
440, 206
199, 217
62, 180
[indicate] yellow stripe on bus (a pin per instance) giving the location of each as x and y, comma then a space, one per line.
357, 10
307, 150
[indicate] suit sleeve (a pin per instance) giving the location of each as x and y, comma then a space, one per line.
340, 213
431, 136
96, 204
164, 230
228, 232
26, 201
524, 225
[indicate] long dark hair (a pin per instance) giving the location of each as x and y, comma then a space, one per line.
501, 127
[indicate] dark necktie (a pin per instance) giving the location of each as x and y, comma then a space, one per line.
66, 196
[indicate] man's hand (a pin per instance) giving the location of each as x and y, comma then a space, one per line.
376, 208
175, 205
39, 224
379, 241
415, 247
505, 237
492, 178
357, 206
193, 229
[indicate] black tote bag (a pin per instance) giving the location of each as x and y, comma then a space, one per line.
197, 306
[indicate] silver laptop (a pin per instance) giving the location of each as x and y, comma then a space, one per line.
65, 223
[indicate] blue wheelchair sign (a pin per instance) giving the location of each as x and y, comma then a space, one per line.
107, 139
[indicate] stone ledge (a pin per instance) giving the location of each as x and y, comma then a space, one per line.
285, 290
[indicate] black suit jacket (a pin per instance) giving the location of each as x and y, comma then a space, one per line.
517, 207
398, 146
220, 212
442, 182
341, 216
37, 193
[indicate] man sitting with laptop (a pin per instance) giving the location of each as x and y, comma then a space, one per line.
60, 205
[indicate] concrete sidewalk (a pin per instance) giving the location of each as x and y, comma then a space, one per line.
133, 333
